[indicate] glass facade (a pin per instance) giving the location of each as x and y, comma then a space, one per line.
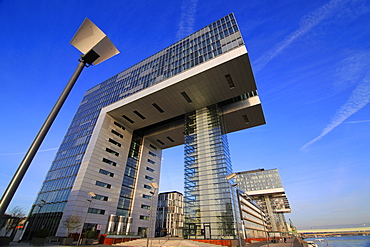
208, 199
129, 178
259, 180
211, 41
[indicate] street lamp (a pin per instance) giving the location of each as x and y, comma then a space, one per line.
96, 48
229, 177
92, 194
155, 187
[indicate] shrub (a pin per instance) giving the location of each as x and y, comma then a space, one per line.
90, 234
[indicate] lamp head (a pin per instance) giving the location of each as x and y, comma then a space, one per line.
92, 194
154, 185
231, 176
93, 43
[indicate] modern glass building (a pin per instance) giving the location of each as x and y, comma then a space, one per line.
193, 92
266, 188
170, 214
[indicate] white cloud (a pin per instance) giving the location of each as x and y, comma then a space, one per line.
351, 70
359, 121
44, 150
187, 18
359, 98
308, 22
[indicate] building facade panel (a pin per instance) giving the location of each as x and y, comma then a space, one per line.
144, 193
99, 175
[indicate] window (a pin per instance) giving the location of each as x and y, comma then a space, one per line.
149, 178
151, 161
114, 142
147, 186
111, 174
117, 133
170, 139
158, 108
112, 151
124, 203
128, 119
143, 217
139, 115
150, 169
147, 196
96, 211
100, 197
109, 162
145, 206
101, 184
152, 146
119, 125
152, 154
159, 141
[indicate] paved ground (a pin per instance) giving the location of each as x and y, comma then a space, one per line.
289, 243
293, 242
56, 244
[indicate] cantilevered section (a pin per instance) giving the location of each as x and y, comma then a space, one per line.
158, 110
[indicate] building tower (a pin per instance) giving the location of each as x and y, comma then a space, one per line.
266, 188
170, 214
208, 200
194, 92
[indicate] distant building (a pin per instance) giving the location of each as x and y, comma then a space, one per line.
170, 214
266, 188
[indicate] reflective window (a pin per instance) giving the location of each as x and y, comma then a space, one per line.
96, 211
112, 151
111, 174
102, 184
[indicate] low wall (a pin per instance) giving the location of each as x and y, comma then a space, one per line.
103, 239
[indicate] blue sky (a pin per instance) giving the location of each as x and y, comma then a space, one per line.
311, 62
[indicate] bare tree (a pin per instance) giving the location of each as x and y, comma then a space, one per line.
16, 215
72, 222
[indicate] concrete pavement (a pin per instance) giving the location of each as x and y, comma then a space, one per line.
290, 243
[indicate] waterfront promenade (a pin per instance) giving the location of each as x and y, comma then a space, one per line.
290, 243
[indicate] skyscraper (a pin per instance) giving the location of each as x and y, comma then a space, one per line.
193, 92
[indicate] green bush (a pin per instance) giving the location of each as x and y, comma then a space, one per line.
42, 233
90, 234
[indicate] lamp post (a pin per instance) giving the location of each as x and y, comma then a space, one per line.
92, 194
155, 187
96, 48
229, 177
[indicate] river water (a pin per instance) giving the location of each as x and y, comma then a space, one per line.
345, 241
